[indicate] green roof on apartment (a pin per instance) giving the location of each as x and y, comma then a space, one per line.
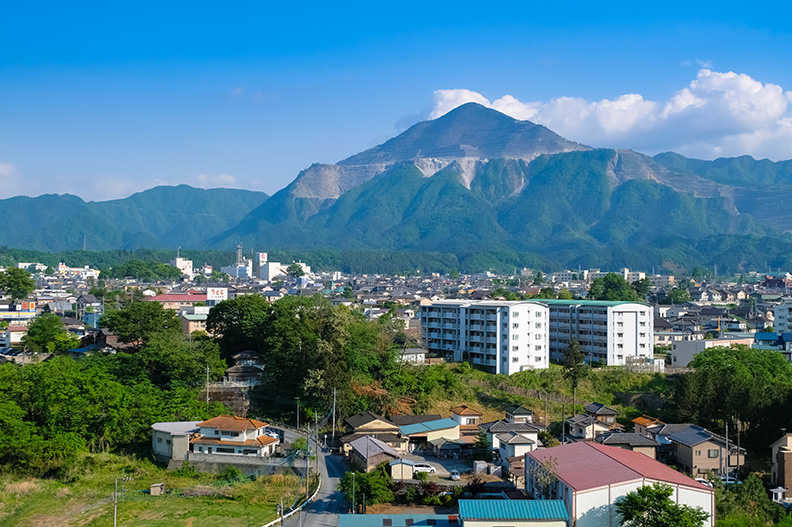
512, 510
607, 303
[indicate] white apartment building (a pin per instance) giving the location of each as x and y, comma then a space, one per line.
608, 332
630, 276
184, 265
505, 337
783, 318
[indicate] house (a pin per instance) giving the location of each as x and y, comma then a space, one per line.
402, 420
629, 441
498, 430
518, 414
367, 452
432, 435
640, 424
229, 435
368, 424
781, 458
696, 450
466, 416
590, 477
597, 420
178, 301
682, 353
413, 355
172, 440
472, 513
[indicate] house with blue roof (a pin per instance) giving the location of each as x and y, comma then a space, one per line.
433, 436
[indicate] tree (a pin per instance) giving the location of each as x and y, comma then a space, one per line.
612, 287
376, 486
482, 447
677, 296
46, 334
240, 323
653, 507
544, 476
565, 294
454, 274
546, 292
17, 283
138, 322
295, 270
641, 287
575, 367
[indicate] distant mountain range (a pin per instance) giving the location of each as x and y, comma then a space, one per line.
472, 181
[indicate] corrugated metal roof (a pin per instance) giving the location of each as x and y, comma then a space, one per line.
586, 465
396, 520
513, 510
429, 426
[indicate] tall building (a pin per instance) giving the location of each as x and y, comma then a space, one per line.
782, 318
507, 337
504, 337
608, 332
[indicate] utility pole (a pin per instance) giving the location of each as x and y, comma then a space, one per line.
545, 409
207, 387
353, 493
298, 414
563, 423
728, 457
123, 479
334, 415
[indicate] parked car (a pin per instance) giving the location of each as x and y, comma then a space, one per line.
424, 467
730, 480
454, 475
705, 482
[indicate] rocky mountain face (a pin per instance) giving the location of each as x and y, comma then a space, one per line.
470, 182
478, 180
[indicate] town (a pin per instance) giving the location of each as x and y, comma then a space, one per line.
540, 398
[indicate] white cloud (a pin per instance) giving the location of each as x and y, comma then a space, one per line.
7, 170
717, 114
237, 92
214, 180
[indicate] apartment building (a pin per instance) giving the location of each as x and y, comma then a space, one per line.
783, 317
504, 337
608, 332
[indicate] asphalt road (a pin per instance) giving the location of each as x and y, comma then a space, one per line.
323, 511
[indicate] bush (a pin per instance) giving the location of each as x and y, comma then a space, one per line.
432, 500
186, 471
420, 476
232, 474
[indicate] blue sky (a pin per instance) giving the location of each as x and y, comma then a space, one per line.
102, 100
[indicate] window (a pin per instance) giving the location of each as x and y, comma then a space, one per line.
515, 314
538, 314
514, 359
167, 441
538, 336
713, 453
515, 325
620, 346
515, 348
538, 325
620, 335
539, 347
224, 450
642, 335
643, 324
643, 345
620, 324
159, 440
538, 359
515, 337
217, 432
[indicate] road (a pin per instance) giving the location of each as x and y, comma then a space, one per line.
323, 511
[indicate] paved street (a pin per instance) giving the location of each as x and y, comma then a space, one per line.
324, 510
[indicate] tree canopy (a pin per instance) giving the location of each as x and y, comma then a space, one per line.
653, 507
17, 283
46, 334
137, 322
613, 287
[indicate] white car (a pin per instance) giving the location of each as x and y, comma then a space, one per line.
705, 482
424, 467
454, 475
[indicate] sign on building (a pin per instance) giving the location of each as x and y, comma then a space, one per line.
217, 294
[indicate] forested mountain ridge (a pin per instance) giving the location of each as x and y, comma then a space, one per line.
469, 183
161, 217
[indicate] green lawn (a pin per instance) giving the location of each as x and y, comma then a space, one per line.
83, 497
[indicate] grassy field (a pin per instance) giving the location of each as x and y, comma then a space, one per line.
83, 497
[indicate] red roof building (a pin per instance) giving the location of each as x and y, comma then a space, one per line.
591, 477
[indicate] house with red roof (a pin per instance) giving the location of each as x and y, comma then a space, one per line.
232, 435
590, 477
177, 301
